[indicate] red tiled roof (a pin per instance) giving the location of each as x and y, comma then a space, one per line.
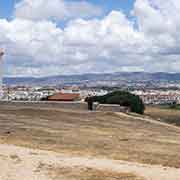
64, 97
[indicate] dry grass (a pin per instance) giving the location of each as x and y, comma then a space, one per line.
87, 174
85, 133
171, 116
15, 158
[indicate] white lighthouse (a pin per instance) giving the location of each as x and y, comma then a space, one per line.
1, 72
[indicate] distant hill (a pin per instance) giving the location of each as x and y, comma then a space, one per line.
93, 78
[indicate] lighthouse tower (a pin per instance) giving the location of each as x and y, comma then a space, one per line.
1, 72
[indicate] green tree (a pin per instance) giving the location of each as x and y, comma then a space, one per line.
122, 98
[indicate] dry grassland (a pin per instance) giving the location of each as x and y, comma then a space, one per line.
171, 116
90, 134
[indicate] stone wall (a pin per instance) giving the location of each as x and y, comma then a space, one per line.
61, 105
111, 108
66, 105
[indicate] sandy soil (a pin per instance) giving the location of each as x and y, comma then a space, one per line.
18, 163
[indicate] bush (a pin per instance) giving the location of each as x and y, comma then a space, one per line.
122, 98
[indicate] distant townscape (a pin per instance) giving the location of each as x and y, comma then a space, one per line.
153, 88
69, 93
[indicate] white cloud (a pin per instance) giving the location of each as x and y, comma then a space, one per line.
159, 20
112, 43
55, 9
82, 46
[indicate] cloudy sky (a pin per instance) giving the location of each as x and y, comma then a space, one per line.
50, 37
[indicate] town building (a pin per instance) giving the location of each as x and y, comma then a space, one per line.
64, 97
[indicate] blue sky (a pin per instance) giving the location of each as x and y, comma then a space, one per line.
7, 6
124, 5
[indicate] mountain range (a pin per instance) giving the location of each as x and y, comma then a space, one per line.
94, 79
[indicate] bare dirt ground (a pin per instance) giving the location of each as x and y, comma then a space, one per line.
18, 163
85, 146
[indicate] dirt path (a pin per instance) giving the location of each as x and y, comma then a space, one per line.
18, 163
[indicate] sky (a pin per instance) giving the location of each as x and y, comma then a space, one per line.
55, 37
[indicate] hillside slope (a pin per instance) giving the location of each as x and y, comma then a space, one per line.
102, 135
93, 78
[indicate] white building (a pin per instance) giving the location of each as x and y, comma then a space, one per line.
71, 90
93, 92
